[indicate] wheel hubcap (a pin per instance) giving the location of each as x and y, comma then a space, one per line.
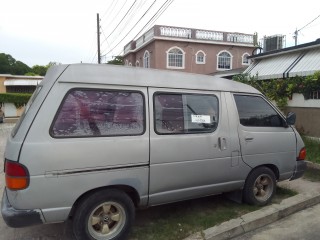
106, 220
263, 188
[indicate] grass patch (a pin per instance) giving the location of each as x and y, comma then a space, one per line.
313, 149
179, 220
312, 175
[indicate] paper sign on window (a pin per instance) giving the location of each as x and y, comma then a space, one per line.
200, 118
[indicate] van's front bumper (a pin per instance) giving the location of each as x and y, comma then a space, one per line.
18, 218
299, 171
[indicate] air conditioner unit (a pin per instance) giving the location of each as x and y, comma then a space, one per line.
274, 42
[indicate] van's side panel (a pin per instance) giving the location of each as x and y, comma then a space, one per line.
268, 145
185, 166
66, 168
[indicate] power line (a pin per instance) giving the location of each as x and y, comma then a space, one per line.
131, 17
296, 32
152, 20
154, 17
309, 23
122, 18
142, 16
105, 41
110, 9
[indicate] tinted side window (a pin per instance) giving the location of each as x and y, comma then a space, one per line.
177, 113
99, 113
254, 111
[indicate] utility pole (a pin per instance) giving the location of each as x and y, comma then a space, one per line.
98, 38
296, 32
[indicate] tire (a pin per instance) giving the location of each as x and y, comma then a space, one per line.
107, 214
260, 187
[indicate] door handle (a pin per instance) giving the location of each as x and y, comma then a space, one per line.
222, 142
248, 139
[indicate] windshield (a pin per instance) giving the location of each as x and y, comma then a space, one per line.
26, 108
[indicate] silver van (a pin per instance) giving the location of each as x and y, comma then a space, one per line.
97, 141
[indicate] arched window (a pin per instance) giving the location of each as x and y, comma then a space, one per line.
224, 60
245, 60
137, 64
130, 64
175, 58
146, 59
200, 57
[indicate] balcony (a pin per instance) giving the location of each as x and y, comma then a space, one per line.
196, 35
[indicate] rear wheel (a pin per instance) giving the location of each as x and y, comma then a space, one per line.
106, 214
260, 187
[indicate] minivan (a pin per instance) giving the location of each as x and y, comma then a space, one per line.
95, 142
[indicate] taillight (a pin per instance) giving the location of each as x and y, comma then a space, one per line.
17, 175
302, 154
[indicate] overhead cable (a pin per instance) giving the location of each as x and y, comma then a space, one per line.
153, 17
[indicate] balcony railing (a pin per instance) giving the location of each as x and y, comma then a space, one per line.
209, 35
193, 34
240, 38
175, 32
145, 38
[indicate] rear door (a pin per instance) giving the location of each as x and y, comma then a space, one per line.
264, 136
190, 146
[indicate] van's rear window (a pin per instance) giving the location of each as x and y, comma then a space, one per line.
85, 113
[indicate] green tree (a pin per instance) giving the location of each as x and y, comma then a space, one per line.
39, 70
20, 68
118, 60
8, 65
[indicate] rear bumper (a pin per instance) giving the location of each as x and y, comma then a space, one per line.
299, 171
18, 218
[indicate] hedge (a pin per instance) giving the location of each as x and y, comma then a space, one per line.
280, 90
18, 99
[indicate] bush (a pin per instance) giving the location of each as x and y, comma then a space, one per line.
18, 99
280, 90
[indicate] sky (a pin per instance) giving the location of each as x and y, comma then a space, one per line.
65, 31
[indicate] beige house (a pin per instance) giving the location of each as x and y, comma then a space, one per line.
16, 84
190, 50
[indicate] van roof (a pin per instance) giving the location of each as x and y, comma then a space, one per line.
134, 76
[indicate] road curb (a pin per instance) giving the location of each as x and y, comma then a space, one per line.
257, 219
313, 165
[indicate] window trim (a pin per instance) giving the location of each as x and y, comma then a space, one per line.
231, 59
183, 58
183, 93
98, 89
204, 57
243, 55
146, 58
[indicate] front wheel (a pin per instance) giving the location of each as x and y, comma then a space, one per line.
260, 187
104, 215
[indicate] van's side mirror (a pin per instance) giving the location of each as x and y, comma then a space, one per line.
291, 118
